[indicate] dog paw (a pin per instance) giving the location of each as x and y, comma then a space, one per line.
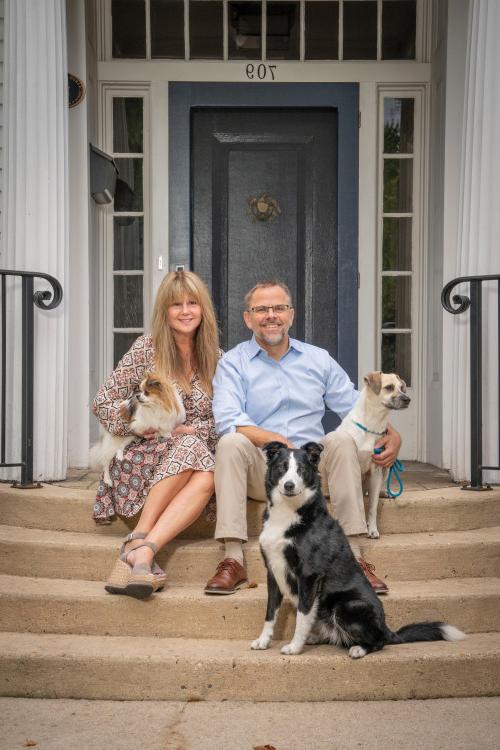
357, 652
290, 649
260, 644
373, 533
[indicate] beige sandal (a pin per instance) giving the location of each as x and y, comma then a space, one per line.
140, 581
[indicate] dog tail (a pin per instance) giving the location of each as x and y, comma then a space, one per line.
425, 631
95, 462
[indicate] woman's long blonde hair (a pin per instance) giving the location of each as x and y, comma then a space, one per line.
175, 287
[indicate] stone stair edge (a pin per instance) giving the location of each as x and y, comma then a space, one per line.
88, 539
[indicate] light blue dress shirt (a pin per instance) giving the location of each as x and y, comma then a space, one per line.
286, 396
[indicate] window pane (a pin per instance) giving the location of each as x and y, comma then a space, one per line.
360, 30
129, 28
167, 28
205, 30
128, 243
127, 302
396, 302
398, 184
396, 245
396, 355
398, 126
245, 22
128, 194
283, 27
399, 23
127, 125
322, 31
121, 344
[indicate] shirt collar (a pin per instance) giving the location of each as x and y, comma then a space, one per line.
254, 348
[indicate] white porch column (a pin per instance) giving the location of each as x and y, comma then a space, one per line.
36, 231
478, 249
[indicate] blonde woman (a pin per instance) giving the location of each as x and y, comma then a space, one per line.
168, 481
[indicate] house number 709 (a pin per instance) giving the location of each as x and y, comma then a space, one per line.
261, 71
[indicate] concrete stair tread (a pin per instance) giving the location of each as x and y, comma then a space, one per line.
54, 507
12, 586
13, 534
52, 605
84, 666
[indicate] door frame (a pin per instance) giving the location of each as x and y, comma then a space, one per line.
344, 97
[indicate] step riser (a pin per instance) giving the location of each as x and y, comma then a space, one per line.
397, 517
190, 564
284, 679
221, 617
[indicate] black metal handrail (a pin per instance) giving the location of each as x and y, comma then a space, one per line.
474, 302
46, 300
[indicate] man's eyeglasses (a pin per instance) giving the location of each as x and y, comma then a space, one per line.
262, 309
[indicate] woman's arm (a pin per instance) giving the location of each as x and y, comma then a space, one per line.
121, 384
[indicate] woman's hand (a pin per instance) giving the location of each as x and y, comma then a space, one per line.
392, 444
183, 429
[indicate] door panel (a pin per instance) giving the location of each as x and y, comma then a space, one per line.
288, 158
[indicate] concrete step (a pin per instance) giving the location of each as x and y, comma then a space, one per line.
423, 556
64, 509
47, 605
123, 668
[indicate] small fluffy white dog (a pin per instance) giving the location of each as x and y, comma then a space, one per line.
156, 406
367, 423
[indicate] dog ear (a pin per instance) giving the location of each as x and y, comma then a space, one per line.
272, 449
374, 381
313, 451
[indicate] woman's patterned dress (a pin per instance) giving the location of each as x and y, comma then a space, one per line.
146, 462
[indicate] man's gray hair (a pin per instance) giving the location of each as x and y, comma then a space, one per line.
266, 285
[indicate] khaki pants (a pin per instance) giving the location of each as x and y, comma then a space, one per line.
240, 469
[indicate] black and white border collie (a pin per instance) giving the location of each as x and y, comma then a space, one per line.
309, 560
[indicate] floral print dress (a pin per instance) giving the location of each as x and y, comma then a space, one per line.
146, 462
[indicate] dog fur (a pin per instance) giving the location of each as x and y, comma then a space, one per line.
382, 393
309, 560
156, 406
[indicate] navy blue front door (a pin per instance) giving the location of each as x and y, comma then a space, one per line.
263, 183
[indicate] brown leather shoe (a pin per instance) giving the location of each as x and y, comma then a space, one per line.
369, 570
229, 577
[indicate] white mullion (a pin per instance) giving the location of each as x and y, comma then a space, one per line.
264, 30
397, 330
186, 30
397, 273
379, 30
402, 157
148, 29
302, 30
341, 30
225, 29
397, 215
127, 154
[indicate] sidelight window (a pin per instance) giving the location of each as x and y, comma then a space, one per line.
126, 264
264, 29
397, 220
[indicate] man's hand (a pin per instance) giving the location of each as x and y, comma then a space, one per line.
260, 437
392, 445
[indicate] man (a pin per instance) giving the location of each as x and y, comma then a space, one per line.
275, 388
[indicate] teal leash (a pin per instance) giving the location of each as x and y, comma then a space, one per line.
395, 470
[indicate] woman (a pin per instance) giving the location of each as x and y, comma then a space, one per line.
169, 480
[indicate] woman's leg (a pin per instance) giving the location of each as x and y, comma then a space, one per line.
180, 512
159, 496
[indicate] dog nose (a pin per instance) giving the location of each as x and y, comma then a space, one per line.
405, 398
289, 486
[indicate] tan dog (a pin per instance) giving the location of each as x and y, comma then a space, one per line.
367, 423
